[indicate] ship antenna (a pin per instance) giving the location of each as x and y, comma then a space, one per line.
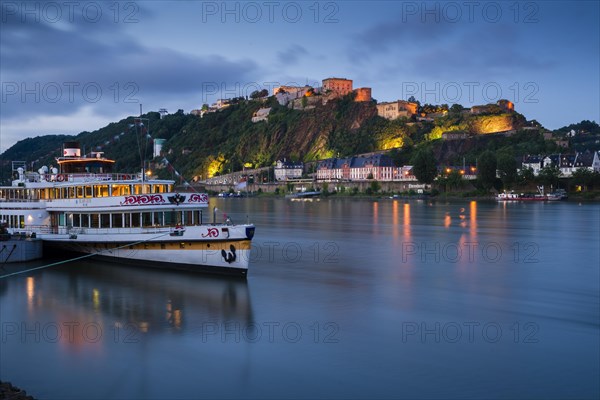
142, 146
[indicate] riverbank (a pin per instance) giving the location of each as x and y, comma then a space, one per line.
592, 196
10, 392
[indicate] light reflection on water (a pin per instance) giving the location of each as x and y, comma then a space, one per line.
345, 298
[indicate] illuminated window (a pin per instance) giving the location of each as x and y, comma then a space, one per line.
101, 190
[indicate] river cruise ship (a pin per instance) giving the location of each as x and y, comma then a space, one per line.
83, 207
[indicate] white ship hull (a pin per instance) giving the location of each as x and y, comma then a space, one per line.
228, 251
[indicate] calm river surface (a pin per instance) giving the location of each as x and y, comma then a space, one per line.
345, 299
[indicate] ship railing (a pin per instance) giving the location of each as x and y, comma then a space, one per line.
86, 177
20, 200
31, 229
113, 231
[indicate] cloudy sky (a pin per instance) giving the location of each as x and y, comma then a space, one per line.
68, 66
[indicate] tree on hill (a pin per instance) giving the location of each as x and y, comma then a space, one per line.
583, 177
548, 176
507, 167
525, 176
257, 94
412, 99
486, 169
423, 163
583, 126
456, 109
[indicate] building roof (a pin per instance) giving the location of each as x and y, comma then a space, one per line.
532, 159
561, 160
584, 159
289, 165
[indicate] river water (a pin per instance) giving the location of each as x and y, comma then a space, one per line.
345, 298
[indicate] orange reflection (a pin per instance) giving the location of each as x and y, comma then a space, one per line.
406, 224
30, 292
77, 332
447, 220
375, 213
177, 319
469, 244
395, 219
143, 326
96, 299
473, 218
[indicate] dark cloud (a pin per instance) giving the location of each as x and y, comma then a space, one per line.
437, 48
55, 61
292, 54
484, 52
403, 31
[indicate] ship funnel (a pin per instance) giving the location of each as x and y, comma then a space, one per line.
71, 149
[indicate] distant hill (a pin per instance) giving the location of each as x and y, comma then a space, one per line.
226, 140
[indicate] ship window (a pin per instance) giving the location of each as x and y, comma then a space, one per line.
104, 220
117, 220
146, 219
189, 218
120, 190
89, 192
141, 189
61, 220
127, 221
135, 219
76, 220
101, 190
171, 218
21, 221
71, 192
85, 220
159, 218
95, 220
79, 192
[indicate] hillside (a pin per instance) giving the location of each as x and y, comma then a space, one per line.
227, 140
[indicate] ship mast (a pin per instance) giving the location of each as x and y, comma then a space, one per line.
142, 141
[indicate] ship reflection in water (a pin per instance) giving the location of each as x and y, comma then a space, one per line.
148, 301
82, 318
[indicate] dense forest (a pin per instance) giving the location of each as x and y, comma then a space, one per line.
227, 140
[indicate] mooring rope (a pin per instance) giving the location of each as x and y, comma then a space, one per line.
9, 254
80, 257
